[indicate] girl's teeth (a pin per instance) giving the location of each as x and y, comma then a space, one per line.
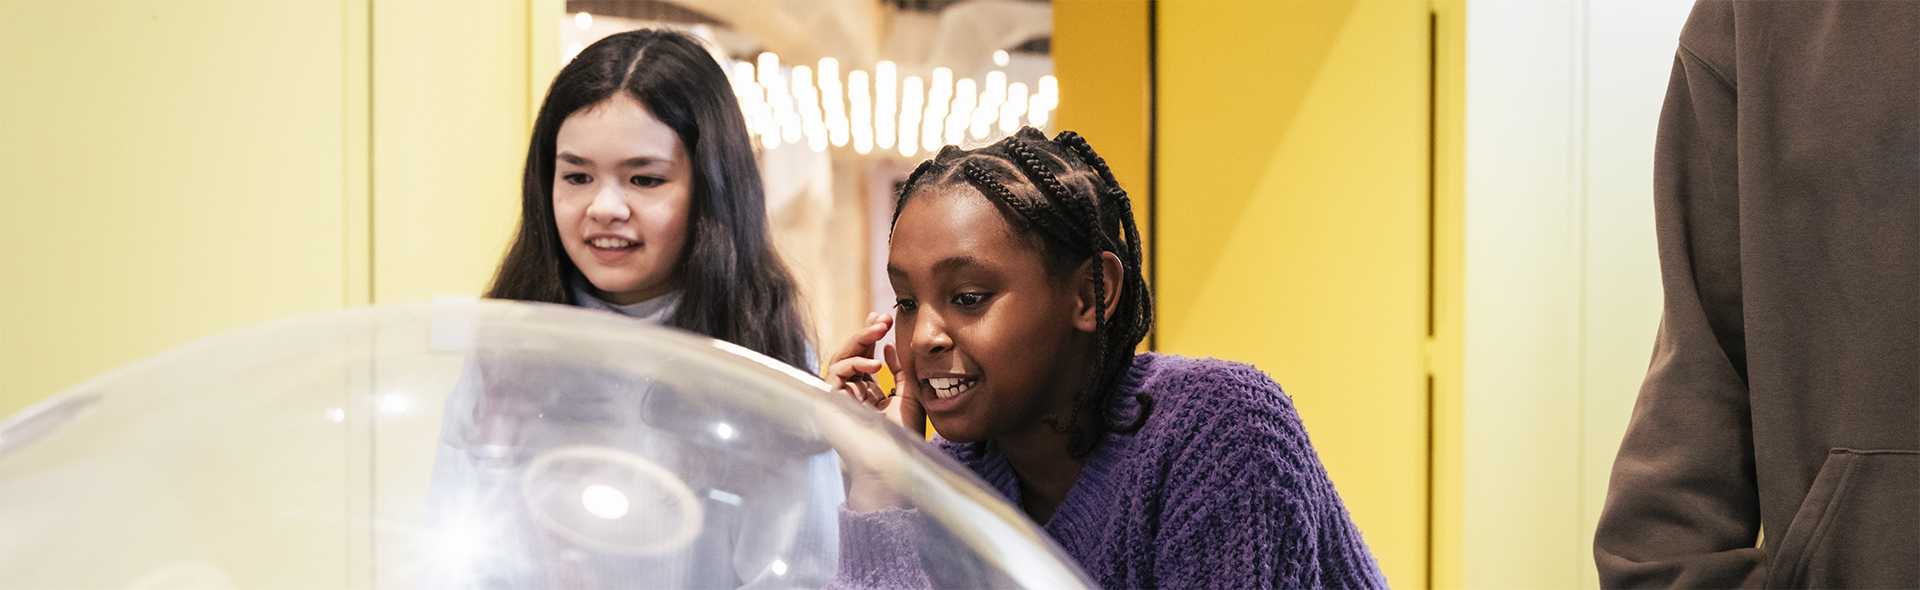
610, 243
946, 387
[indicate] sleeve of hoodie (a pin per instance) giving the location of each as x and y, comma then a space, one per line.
1682, 508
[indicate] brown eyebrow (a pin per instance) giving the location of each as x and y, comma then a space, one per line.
943, 266
638, 162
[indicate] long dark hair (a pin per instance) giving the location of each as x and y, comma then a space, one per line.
1061, 194
733, 285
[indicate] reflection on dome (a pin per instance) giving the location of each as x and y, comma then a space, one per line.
472, 444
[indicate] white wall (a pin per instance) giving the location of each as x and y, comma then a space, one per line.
1562, 291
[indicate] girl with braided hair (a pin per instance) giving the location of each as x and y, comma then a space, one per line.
1020, 301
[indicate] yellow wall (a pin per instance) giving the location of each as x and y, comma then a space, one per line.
451, 113
167, 170
1100, 56
1293, 212
173, 169
1446, 353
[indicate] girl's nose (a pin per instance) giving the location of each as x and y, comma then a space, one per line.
930, 334
609, 204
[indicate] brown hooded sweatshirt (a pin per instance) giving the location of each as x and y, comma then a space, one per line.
1784, 392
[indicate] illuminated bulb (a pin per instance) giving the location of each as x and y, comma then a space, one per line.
741, 75
1037, 108
883, 104
752, 97
964, 97
860, 114
1044, 101
791, 127
604, 501
989, 105
723, 430
933, 122
779, 567
807, 101
911, 97
582, 20
786, 120
1000, 57
833, 101
1015, 106
769, 67
770, 137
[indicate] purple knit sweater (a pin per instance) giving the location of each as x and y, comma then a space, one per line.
1220, 489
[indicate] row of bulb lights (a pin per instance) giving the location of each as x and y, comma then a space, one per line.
908, 114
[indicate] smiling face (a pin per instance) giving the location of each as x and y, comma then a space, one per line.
621, 188
990, 337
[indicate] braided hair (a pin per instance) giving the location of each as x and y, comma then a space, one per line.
1061, 195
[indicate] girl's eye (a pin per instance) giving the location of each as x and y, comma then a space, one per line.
576, 178
969, 299
906, 305
647, 181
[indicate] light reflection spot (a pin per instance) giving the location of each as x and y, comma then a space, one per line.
724, 497
604, 501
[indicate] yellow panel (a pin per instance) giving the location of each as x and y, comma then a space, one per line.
1293, 216
170, 170
1447, 354
1100, 56
167, 170
450, 124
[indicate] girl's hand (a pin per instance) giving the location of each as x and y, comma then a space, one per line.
872, 473
853, 367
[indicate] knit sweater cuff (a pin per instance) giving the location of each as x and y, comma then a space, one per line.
880, 549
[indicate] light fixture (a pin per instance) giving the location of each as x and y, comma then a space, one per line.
965, 97
861, 111
939, 93
832, 100
1015, 106
989, 106
883, 104
912, 96
882, 110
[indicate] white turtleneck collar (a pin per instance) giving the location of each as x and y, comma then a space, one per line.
655, 311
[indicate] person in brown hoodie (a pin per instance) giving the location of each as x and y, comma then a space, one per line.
1776, 440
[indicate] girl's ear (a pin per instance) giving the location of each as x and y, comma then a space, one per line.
1110, 274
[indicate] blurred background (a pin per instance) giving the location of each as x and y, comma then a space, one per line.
1431, 222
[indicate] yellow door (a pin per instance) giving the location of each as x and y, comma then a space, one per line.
1290, 196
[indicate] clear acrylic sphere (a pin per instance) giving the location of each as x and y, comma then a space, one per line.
474, 444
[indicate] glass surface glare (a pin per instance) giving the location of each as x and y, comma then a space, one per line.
472, 444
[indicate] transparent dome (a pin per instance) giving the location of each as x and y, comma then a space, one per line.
477, 444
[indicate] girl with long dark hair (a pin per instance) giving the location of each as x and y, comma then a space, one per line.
641, 197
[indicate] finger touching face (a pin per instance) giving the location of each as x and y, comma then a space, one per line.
985, 335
